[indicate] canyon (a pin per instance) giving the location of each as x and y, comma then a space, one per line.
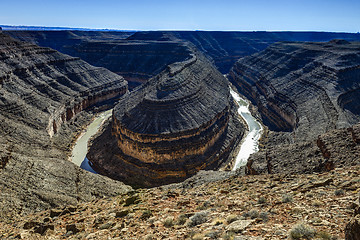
174, 121
304, 92
138, 56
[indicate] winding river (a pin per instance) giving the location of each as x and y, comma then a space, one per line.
250, 143
79, 151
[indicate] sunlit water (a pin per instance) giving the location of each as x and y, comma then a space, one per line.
251, 142
81, 146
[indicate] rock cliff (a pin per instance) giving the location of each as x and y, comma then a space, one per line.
303, 88
135, 60
306, 95
141, 55
42, 97
225, 48
177, 123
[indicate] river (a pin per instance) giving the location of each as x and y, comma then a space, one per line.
250, 144
79, 151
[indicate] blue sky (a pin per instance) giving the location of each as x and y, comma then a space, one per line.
241, 15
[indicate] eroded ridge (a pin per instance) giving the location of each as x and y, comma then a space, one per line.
179, 122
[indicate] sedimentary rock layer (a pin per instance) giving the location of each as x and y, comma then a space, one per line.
306, 94
137, 58
303, 88
179, 122
42, 96
225, 48
137, 61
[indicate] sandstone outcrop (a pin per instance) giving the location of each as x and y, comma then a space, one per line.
179, 122
42, 97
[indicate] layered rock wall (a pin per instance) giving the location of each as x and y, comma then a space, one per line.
42, 97
134, 58
302, 86
181, 121
306, 95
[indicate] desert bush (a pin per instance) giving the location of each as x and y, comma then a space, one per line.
146, 214
339, 192
231, 218
204, 206
325, 236
181, 219
213, 234
301, 231
198, 218
169, 222
253, 213
264, 216
262, 200
228, 236
317, 203
286, 198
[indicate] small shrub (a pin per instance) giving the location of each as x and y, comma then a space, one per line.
262, 200
146, 214
213, 234
317, 203
231, 218
286, 198
339, 192
309, 195
325, 236
204, 206
301, 231
181, 219
198, 218
169, 222
253, 213
198, 236
228, 236
297, 210
149, 237
264, 216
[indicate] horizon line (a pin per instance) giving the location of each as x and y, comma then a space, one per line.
61, 28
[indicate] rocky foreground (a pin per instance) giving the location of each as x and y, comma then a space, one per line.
241, 207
